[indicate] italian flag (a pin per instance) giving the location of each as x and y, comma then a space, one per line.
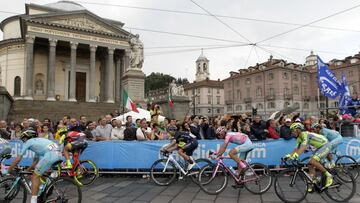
171, 102
129, 104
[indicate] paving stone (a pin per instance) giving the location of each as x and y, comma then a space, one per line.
151, 194
98, 196
123, 183
110, 199
203, 196
173, 190
184, 197
225, 199
102, 187
162, 199
126, 199
201, 201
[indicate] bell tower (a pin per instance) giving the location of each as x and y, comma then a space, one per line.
202, 68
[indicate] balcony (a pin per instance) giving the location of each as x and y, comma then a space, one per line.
306, 98
288, 96
248, 100
270, 97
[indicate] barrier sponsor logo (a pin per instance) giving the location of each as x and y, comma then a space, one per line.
259, 151
16, 150
353, 148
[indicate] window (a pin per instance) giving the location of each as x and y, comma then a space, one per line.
350, 73
336, 104
322, 105
198, 100
218, 100
209, 99
199, 111
258, 78
17, 86
258, 92
229, 84
271, 105
248, 81
285, 75
248, 106
286, 91
193, 91
306, 105
198, 91
217, 110
238, 94
237, 83
286, 104
209, 90
186, 93
248, 92
218, 91
229, 108
304, 78
209, 111
305, 93
297, 105
352, 88
238, 108
259, 106
296, 77
270, 76
296, 90
229, 95
271, 92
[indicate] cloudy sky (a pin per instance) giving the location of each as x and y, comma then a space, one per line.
238, 22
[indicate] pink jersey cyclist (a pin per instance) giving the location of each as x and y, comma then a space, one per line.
236, 138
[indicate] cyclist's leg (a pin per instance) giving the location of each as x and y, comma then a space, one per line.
242, 149
315, 161
333, 144
67, 148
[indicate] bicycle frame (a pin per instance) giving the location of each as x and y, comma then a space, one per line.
238, 179
171, 158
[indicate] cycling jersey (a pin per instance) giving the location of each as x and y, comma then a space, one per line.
40, 146
187, 142
236, 138
330, 134
310, 138
75, 136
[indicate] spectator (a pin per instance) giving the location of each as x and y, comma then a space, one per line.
172, 128
117, 133
74, 125
155, 112
66, 120
207, 129
144, 132
103, 130
194, 126
346, 126
354, 102
45, 133
246, 129
47, 122
130, 121
137, 123
4, 132
90, 131
82, 123
285, 131
258, 128
16, 133
163, 133
129, 132
108, 118
113, 122
272, 133
25, 124
307, 125
59, 126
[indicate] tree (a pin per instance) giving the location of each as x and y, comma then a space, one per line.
156, 81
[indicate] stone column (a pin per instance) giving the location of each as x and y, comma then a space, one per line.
92, 73
29, 67
51, 70
109, 90
72, 89
126, 60
117, 78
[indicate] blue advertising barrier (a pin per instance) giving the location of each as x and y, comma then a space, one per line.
112, 155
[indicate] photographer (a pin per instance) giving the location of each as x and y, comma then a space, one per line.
155, 112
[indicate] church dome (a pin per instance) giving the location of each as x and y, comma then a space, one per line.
66, 6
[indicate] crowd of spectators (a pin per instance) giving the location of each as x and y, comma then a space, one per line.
107, 128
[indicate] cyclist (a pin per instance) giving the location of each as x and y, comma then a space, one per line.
73, 141
333, 136
46, 154
305, 138
243, 142
185, 143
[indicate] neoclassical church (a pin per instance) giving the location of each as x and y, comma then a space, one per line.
63, 52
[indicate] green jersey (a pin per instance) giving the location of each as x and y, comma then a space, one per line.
310, 138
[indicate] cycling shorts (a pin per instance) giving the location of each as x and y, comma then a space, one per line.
322, 152
335, 142
244, 148
77, 146
190, 147
46, 161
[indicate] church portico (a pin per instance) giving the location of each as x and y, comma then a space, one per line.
74, 56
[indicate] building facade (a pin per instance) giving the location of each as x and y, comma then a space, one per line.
207, 96
63, 52
276, 84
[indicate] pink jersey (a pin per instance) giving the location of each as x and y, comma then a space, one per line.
235, 137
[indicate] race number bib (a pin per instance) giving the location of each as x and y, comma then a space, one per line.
53, 147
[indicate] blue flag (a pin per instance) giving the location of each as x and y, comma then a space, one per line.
345, 97
329, 85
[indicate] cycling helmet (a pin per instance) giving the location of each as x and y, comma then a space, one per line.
28, 134
315, 125
221, 129
297, 126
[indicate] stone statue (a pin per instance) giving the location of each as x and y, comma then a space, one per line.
39, 87
176, 90
137, 53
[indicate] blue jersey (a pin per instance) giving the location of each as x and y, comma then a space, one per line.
40, 146
330, 134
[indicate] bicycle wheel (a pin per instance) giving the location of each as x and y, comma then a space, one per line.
195, 171
340, 190
257, 178
163, 172
213, 179
16, 194
63, 190
86, 173
291, 186
349, 164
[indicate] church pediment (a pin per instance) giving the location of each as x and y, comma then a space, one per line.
81, 20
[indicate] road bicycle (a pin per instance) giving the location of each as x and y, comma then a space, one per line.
344, 162
164, 171
255, 177
53, 189
84, 172
291, 184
